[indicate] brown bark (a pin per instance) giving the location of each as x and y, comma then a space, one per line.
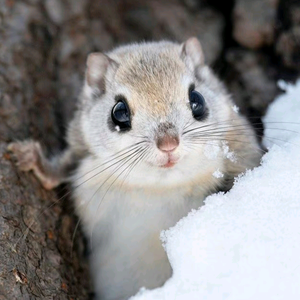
43, 48
37, 260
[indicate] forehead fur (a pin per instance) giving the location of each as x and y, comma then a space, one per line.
153, 75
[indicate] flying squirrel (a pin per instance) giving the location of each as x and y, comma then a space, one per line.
155, 132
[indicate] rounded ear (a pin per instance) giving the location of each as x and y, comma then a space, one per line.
192, 53
97, 67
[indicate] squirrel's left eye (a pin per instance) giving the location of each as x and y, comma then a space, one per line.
120, 115
197, 103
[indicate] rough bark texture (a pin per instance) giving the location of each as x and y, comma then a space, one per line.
43, 48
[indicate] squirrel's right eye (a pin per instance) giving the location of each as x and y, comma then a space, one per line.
120, 115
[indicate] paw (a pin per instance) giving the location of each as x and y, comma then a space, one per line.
26, 154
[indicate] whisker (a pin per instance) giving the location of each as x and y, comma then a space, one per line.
139, 159
23, 236
217, 134
232, 125
241, 157
124, 162
121, 153
243, 128
73, 236
204, 139
237, 127
135, 154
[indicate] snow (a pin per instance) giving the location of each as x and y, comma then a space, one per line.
212, 150
235, 109
245, 244
227, 153
218, 174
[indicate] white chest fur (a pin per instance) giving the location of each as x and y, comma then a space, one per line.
123, 224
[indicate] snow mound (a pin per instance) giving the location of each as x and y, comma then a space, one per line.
245, 244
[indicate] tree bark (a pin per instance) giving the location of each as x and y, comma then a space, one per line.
37, 258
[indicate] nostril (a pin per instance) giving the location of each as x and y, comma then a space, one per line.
167, 143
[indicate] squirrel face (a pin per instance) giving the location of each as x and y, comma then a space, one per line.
154, 105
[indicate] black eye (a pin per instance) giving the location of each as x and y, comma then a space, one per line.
120, 115
197, 104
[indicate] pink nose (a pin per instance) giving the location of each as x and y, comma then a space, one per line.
167, 143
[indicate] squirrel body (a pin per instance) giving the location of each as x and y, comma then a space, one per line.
152, 128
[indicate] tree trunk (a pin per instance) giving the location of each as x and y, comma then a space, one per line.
43, 48
38, 260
